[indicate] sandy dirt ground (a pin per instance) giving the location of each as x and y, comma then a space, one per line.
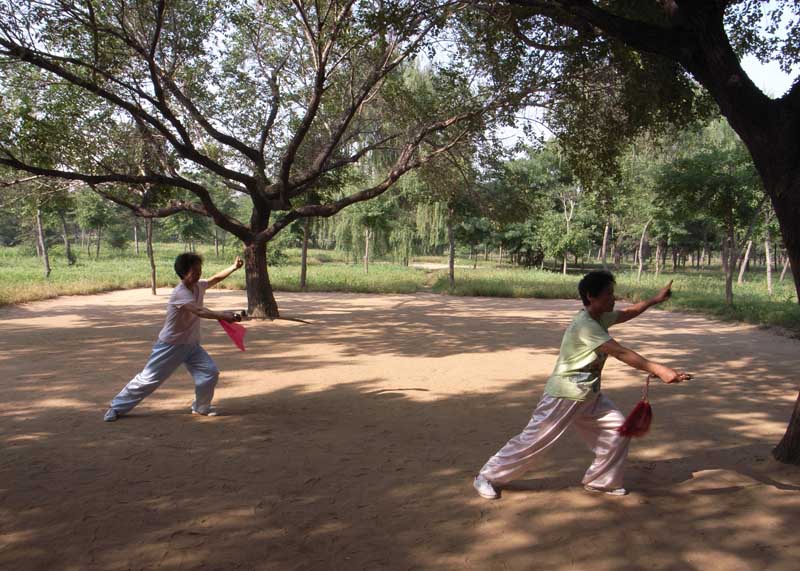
350, 442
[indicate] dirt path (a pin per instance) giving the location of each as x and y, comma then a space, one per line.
350, 443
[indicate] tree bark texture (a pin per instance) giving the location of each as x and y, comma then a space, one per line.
260, 299
788, 449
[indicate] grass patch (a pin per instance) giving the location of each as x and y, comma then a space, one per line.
22, 277
694, 291
699, 291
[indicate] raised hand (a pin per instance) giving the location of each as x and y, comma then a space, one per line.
664, 294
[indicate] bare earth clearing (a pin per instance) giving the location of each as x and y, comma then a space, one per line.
351, 442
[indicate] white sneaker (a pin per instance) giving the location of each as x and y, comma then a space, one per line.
485, 488
211, 412
606, 491
111, 415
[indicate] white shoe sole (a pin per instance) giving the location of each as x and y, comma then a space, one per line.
211, 413
614, 492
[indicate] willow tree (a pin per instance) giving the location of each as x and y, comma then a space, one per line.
270, 98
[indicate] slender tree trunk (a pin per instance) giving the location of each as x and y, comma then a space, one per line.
260, 299
731, 252
658, 257
724, 254
366, 250
42, 243
743, 264
451, 257
474, 256
641, 249
216, 242
604, 246
768, 253
99, 236
785, 267
788, 450
564, 265
136, 235
67, 245
304, 255
148, 228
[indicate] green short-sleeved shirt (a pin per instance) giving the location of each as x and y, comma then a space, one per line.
579, 366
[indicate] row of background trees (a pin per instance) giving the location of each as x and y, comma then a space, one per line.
680, 199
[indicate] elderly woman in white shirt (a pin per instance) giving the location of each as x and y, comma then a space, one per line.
179, 342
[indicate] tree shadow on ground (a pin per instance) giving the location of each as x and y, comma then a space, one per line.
366, 471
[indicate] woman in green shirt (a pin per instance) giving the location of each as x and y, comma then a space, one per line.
572, 395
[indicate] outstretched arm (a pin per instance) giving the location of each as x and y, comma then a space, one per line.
207, 313
632, 358
218, 277
637, 309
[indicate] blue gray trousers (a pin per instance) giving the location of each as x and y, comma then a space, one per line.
163, 361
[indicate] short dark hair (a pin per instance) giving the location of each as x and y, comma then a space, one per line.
185, 262
594, 283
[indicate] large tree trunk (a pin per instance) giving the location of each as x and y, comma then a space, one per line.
260, 300
788, 450
148, 225
451, 257
304, 255
42, 243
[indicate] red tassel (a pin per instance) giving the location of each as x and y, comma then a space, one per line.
638, 421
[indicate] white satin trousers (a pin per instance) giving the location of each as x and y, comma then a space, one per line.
596, 420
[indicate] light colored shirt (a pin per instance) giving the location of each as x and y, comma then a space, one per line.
182, 327
578, 369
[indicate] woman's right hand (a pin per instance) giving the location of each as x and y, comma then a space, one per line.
670, 376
